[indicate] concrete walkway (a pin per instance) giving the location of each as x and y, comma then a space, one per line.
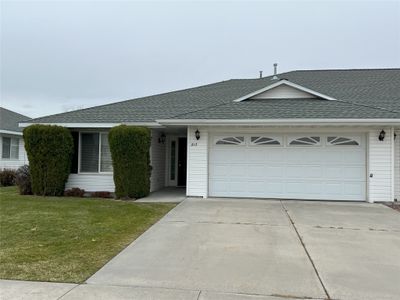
249, 249
168, 194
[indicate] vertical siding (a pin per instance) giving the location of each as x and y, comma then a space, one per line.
397, 167
197, 172
157, 161
14, 163
380, 165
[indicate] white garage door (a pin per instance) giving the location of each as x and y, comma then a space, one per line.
298, 166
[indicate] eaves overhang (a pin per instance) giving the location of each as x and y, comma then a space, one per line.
96, 125
281, 122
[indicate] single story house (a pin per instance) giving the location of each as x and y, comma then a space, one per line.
314, 134
12, 147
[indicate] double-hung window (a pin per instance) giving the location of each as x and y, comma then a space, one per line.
95, 155
10, 148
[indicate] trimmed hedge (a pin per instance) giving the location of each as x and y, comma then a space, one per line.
130, 151
49, 150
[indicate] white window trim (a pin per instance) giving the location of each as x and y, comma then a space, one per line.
99, 163
18, 146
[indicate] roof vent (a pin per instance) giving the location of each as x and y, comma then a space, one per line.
260, 74
275, 72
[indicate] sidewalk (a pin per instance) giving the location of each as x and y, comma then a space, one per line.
34, 290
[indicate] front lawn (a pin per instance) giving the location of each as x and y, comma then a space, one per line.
66, 239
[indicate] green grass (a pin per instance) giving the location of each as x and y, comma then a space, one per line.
66, 239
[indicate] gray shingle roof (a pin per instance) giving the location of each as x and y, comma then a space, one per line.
369, 93
290, 109
9, 120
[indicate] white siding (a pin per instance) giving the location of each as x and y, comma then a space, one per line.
197, 167
397, 167
105, 182
157, 161
283, 92
380, 166
91, 182
7, 163
380, 159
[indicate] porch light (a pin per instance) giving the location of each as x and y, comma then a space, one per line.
161, 139
382, 135
197, 134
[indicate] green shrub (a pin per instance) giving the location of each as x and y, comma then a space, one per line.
130, 148
7, 177
49, 150
23, 180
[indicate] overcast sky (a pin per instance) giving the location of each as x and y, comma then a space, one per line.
57, 56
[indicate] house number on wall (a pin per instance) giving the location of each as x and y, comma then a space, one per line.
193, 145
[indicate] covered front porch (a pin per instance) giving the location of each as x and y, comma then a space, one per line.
168, 158
169, 194
92, 164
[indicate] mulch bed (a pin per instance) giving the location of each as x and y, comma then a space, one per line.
394, 205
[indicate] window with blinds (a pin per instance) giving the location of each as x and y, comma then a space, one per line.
95, 155
10, 148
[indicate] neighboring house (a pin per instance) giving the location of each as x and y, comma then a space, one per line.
12, 148
318, 135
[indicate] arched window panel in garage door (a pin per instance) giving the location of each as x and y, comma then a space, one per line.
342, 141
304, 141
265, 140
230, 140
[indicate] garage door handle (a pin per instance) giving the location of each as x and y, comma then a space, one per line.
371, 175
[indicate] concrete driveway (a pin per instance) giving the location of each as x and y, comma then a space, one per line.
256, 249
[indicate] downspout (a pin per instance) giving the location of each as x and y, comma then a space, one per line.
392, 162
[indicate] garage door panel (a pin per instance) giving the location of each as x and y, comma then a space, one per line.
302, 189
255, 155
352, 188
219, 170
227, 154
320, 171
236, 186
353, 173
303, 171
334, 188
333, 172
353, 157
262, 170
273, 154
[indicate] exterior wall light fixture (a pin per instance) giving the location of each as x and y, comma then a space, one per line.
161, 139
382, 134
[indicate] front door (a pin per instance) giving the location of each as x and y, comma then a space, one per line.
182, 155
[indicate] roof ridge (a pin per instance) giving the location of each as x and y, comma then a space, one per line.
127, 100
352, 69
321, 70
